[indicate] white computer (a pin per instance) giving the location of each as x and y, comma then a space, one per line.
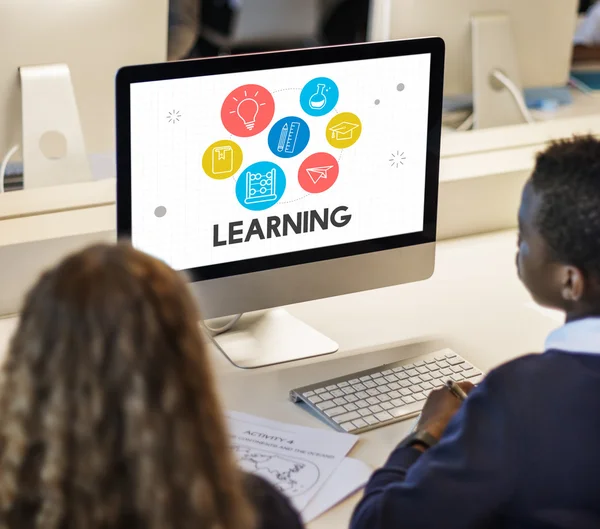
59, 60
495, 48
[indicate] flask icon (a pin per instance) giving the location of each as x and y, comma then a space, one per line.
318, 100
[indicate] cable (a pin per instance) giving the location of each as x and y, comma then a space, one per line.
467, 124
11, 152
516, 93
220, 330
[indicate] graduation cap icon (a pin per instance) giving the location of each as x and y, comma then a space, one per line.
343, 130
316, 173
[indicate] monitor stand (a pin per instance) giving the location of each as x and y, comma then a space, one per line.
493, 49
261, 339
53, 147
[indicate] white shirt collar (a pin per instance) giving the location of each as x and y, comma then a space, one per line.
580, 336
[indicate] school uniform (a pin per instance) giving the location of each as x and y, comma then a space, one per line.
522, 452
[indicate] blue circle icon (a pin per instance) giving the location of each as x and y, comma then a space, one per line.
319, 96
289, 137
260, 186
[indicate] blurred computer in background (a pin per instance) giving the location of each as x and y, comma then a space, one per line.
494, 48
57, 79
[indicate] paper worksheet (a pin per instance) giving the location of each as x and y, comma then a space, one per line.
295, 459
348, 478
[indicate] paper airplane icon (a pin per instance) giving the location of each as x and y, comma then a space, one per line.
316, 173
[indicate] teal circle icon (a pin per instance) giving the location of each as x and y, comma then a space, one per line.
319, 96
260, 186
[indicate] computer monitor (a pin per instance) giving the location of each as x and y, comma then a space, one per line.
280, 178
94, 38
530, 42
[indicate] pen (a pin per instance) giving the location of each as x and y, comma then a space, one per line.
456, 390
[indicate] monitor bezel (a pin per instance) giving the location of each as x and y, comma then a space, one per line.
273, 60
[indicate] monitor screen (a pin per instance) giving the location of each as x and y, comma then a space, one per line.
237, 166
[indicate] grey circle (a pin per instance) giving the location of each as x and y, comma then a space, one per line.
160, 211
400, 87
377, 101
53, 145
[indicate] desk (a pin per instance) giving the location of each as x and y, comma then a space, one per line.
474, 304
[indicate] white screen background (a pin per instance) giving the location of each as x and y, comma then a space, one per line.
166, 160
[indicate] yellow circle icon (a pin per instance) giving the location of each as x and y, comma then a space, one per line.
222, 159
343, 130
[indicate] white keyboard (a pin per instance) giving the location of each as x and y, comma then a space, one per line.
384, 395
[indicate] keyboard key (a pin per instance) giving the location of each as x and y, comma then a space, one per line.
412, 372
405, 392
340, 401
332, 412
353, 381
391, 378
328, 404
408, 400
309, 394
422, 370
359, 387
383, 416
405, 383
362, 403
387, 405
380, 381
426, 377
397, 403
351, 407
384, 388
384, 398
450, 355
394, 394
370, 384
430, 361
319, 391
440, 358
343, 384
447, 372
419, 396
315, 399
359, 423
362, 395
373, 392
455, 361
373, 400
394, 386
407, 409
326, 396
331, 388
365, 378
435, 374
442, 364
398, 369
337, 393
419, 363
364, 412
387, 372
348, 426
415, 380
376, 409
470, 373
427, 386
403, 376
349, 390
351, 398
371, 420
457, 369
350, 416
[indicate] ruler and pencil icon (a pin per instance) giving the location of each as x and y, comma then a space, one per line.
288, 137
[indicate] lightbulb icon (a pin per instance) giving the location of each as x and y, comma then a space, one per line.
247, 110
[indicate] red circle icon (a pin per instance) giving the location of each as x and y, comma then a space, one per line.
318, 172
248, 110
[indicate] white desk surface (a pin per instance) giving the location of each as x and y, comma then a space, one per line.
474, 304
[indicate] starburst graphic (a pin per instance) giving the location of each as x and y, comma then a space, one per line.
397, 159
174, 116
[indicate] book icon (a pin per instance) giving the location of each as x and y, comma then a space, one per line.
261, 187
222, 160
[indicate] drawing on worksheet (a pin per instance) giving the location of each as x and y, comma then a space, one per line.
292, 476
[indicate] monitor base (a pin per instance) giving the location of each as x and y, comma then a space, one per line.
272, 337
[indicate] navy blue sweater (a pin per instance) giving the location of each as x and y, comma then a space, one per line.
523, 452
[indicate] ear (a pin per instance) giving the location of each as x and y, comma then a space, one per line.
573, 284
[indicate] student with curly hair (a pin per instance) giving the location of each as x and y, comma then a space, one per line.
522, 451
109, 417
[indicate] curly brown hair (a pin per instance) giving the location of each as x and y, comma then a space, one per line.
109, 416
